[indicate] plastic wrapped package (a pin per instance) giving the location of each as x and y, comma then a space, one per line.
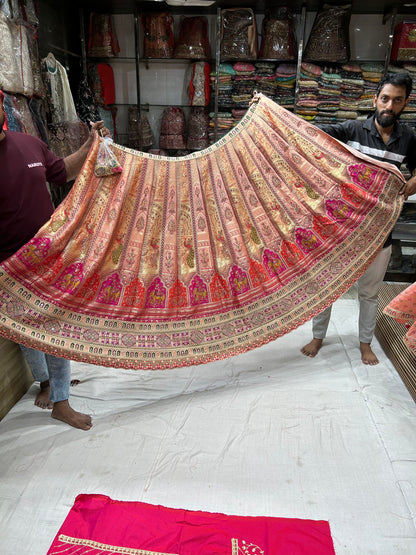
238, 34
198, 129
32, 42
158, 35
145, 130
172, 129
106, 162
26, 120
193, 39
28, 12
199, 88
133, 131
140, 134
329, 39
16, 74
20, 10
102, 41
404, 42
278, 38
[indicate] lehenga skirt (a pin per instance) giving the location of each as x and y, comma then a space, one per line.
187, 260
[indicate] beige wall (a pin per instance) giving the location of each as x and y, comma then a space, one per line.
15, 376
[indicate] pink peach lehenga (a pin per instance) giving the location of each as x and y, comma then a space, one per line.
187, 260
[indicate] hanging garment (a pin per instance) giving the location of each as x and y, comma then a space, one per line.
32, 42
60, 100
66, 137
15, 64
101, 78
97, 524
403, 309
25, 116
12, 113
85, 104
5, 123
199, 92
38, 111
182, 261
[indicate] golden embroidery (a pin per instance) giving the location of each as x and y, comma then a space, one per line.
108, 548
246, 548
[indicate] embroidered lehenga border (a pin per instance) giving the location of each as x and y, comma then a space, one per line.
97, 524
181, 261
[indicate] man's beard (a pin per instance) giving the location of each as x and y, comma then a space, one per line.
387, 119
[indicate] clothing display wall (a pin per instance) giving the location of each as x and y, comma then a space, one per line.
38, 98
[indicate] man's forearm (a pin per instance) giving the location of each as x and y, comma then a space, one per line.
74, 162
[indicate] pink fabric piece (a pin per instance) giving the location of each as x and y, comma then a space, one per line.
98, 524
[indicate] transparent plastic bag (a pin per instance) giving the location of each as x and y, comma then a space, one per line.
106, 163
158, 35
193, 39
278, 38
329, 40
238, 34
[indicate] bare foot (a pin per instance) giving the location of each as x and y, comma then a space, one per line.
42, 398
312, 348
367, 355
63, 411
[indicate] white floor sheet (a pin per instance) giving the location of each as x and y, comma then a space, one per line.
270, 432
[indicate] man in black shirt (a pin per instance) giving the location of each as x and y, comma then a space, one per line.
382, 137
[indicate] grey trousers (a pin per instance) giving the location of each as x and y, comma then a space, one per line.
368, 288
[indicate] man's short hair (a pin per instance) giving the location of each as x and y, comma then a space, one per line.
398, 80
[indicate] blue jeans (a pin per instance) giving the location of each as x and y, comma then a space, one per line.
49, 367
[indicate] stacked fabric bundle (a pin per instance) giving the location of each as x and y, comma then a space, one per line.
285, 85
225, 85
409, 114
352, 87
372, 73
244, 83
329, 91
266, 78
307, 104
225, 122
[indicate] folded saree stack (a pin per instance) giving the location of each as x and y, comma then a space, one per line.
181, 261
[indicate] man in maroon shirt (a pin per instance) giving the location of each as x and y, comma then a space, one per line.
25, 205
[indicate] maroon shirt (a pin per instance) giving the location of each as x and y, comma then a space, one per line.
26, 164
